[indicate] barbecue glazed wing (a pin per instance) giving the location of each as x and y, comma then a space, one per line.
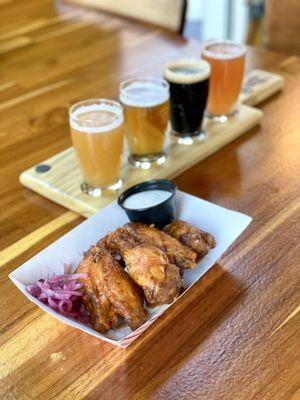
190, 236
151, 269
132, 234
111, 286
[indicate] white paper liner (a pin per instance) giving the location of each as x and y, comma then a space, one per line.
225, 225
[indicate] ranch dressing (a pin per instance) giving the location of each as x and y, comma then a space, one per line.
148, 198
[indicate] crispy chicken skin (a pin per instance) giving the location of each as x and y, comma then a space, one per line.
132, 234
196, 239
109, 291
151, 269
102, 314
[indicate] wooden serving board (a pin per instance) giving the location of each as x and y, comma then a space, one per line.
259, 85
61, 182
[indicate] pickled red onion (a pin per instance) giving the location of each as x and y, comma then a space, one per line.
62, 293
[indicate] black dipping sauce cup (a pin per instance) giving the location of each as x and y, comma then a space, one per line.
160, 214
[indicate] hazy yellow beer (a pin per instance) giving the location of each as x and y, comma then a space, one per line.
146, 111
97, 136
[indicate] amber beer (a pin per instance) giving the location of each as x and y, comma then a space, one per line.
97, 136
227, 61
146, 109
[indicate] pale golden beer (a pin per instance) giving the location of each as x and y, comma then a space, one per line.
146, 111
227, 60
97, 136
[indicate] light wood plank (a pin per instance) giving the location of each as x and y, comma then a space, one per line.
288, 318
7, 85
34, 93
28, 241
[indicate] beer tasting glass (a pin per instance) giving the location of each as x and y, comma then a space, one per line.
227, 61
97, 136
146, 112
189, 81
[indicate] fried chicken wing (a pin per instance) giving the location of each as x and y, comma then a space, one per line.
132, 234
151, 269
102, 314
196, 239
108, 284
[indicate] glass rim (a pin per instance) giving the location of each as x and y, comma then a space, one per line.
209, 53
95, 100
149, 78
177, 77
73, 118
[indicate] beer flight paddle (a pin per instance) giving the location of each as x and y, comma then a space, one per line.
65, 189
196, 97
98, 126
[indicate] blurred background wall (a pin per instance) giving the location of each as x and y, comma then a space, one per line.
274, 24
224, 19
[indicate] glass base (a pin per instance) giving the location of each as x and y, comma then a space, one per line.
188, 139
95, 191
148, 160
220, 118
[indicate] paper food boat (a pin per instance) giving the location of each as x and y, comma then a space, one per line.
225, 225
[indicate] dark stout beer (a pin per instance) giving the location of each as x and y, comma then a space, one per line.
188, 79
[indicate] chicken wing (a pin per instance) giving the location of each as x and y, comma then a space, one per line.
132, 234
111, 283
102, 315
196, 239
151, 269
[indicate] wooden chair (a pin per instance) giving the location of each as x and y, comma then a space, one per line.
168, 14
282, 25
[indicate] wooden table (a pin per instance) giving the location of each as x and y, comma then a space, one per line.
236, 334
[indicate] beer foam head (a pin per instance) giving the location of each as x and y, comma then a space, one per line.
187, 70
96, 116
144, 92
224, 50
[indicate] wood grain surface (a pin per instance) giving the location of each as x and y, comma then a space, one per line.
236, 334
